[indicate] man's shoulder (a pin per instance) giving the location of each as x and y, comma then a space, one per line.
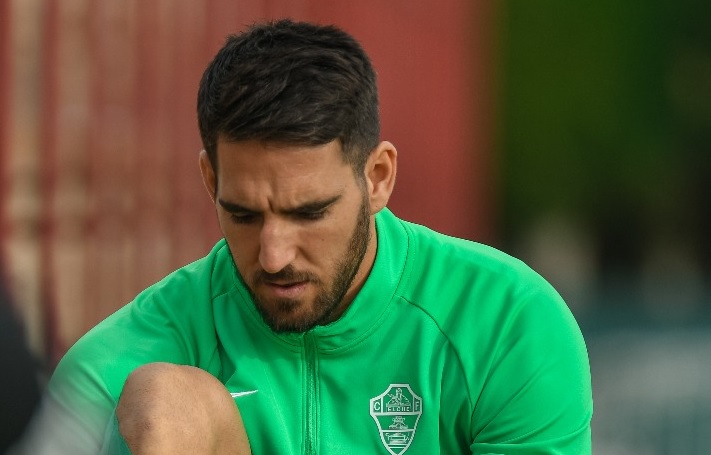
431, 250
203, 279
178, 307
447, 275
461, 262
170, 321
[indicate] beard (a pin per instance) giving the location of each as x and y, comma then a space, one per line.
279, 314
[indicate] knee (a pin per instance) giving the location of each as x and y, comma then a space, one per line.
165, 400
166, 408
167, 380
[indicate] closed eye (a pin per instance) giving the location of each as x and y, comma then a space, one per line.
311, 215
243, 218
312, 211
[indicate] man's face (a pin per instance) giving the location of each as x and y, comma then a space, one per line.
299, 227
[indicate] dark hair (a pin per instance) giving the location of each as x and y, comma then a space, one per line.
292, 83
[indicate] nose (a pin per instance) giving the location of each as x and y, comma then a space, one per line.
276, 248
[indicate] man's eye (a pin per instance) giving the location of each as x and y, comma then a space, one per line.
312, 216
243, 218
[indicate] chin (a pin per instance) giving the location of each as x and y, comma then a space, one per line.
291, 320
291, 326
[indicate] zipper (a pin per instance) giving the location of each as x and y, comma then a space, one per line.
311, 418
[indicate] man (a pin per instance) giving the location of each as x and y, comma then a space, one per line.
322, 323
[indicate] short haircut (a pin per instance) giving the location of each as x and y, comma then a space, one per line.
291, 83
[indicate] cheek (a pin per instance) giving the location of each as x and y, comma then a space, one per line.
243, 244
326, 244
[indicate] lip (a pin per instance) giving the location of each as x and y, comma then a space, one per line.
287, 290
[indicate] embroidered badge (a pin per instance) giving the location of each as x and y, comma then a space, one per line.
396, 413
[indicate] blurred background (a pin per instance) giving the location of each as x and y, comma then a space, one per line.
574, 136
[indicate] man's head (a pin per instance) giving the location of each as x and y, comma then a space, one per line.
292, 83
288, 114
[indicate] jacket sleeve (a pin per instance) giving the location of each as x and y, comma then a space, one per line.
80, 397
535, 395
163, 324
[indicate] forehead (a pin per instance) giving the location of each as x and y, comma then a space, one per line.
251, 169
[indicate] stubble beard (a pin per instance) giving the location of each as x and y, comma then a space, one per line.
278, 315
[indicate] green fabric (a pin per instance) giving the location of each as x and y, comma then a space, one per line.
451, 347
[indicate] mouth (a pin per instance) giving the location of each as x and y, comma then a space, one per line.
286, 290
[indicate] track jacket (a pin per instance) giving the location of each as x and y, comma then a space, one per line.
451, 347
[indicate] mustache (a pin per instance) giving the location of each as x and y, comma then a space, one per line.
288, 273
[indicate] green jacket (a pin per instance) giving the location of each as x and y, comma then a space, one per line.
451, 347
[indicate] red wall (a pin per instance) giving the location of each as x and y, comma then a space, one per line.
433, 67
5, 36
121, 199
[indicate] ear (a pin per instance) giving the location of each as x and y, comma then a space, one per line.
208, 175
380, 172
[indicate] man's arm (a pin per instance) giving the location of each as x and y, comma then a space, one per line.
537, 396
85, 388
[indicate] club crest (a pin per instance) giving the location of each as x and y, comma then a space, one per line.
396, 413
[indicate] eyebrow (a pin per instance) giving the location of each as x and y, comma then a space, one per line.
311, 206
